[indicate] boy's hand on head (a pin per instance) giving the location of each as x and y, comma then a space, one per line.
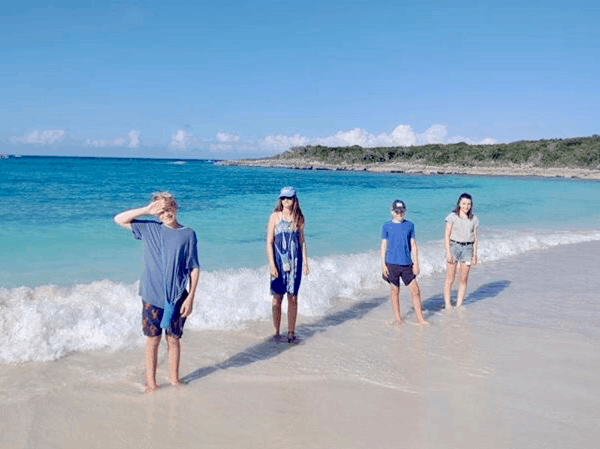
155, 207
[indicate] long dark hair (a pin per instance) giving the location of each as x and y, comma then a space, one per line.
456, 210
297, 214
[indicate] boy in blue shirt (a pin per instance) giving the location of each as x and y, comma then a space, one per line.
400, 259
170, 261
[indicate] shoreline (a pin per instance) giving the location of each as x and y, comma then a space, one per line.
420, 168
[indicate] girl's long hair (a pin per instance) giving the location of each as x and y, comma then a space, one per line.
297, 215
456, 210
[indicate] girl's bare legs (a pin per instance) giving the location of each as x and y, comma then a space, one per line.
152, 344
450, 276
462, 286
415, 293
292, 312
174, 348
276, 308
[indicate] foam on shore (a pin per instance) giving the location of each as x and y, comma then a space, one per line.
48, 322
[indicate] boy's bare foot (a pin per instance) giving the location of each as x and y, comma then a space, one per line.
149, 389
396, 323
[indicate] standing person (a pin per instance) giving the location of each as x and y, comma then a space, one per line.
170, 260
400, 259
460, 239
286, 253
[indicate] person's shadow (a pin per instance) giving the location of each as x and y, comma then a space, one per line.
270, 348
485, 291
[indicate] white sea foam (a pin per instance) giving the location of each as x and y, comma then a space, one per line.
48, 322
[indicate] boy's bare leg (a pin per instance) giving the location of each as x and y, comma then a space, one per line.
276, 307
450, 275
415, 292
395, 300
174, 348
462, 283
292, 312
152, 344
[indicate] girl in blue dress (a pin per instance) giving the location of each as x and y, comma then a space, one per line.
286, 253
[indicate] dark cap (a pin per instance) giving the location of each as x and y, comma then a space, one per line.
398, 205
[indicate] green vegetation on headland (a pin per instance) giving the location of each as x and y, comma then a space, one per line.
571, 158
580, 152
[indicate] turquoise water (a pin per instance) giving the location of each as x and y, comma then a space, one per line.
57, 212
68, 272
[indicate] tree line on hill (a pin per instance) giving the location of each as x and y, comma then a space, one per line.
579, 152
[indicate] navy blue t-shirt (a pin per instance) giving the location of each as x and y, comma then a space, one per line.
180, 251
398, 236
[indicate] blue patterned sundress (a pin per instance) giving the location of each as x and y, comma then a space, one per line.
286, 247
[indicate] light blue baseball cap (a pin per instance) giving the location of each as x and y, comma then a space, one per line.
287, 192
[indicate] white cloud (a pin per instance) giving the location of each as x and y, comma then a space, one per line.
402, 135
134, 138
225, 137
470, 141
180, 139
46, 137
119, 141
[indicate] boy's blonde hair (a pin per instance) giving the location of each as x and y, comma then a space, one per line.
168, 197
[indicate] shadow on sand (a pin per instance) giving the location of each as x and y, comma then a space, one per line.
270, 348
485, 291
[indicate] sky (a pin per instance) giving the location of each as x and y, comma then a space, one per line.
234, 79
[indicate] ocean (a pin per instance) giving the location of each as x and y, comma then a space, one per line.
69, 275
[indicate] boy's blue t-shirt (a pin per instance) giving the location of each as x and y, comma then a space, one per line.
180, 250
398, 236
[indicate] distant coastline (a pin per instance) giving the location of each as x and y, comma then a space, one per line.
568, 158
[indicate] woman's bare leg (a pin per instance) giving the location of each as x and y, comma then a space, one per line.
292, 312
450, 276
276, 308
462, 286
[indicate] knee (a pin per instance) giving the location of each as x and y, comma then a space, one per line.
153, 342
292, 300
172, 341
276, 301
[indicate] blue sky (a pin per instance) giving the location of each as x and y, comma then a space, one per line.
238, 78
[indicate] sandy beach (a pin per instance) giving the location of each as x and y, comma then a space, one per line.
515, 367
423, 169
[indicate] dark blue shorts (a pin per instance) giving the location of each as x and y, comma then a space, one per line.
152, 316
399, 271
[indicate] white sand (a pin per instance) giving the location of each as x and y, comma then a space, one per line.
516, 367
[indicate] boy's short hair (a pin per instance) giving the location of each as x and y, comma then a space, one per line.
168, 197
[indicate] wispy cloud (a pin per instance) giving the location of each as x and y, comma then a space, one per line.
46, 137
402, 135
